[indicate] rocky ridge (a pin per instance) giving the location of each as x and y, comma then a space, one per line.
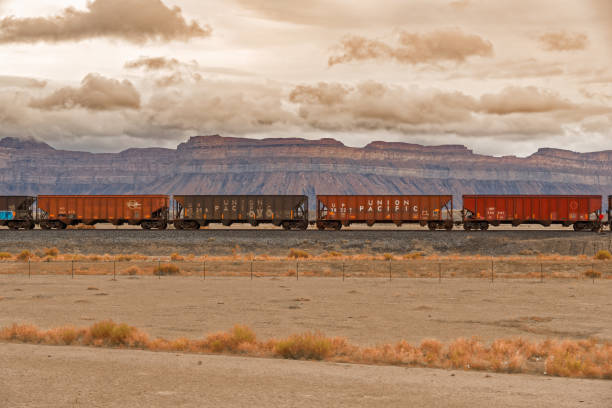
215, 164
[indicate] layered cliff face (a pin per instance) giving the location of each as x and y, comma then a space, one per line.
214, 164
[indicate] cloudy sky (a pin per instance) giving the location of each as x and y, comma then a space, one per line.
501, 77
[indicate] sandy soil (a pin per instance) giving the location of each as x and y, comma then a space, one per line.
42, 376
366, 311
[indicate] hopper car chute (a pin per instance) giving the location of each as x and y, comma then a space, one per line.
336, 211
59, 211
583, 212
195, 211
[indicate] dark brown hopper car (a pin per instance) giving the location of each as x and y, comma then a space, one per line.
16, 212
59, 211
580, 211
195, 211
335, 211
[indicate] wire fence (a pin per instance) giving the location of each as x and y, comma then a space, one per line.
341, 269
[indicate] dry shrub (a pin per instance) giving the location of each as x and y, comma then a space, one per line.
388, 256
414, 255
229, 342
603, 254
51, 252
305, 346
133, 270
5, 255
585, 358
25, 256
592, 274
298, 254
167, 269
333, 254
176, 257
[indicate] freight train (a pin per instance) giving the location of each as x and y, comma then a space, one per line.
191, 212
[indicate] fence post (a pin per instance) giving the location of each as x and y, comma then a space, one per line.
297, 270
72, 268
251, 270
492, 269
439, 272
158, 268
29, 270
204, 270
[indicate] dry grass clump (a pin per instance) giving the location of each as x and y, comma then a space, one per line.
414, 255
305, 346
603, 254
592, 274
133, 270
176, 257
388, 257
332, 254
584, 359
5, 255
25, 256
51, 252
298, 254
167, 269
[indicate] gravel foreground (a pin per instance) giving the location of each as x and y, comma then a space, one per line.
499, 242
41, 376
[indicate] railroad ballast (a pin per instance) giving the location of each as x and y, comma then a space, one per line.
582, 212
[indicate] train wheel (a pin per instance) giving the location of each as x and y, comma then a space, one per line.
467, 227
337, 226
578, 226
45, 226
286, 226
178, 225
484, 226
432, 226
61, 225
320, 226
448, 226
303, 225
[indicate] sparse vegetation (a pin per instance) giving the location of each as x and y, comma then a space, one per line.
5, 255
414, 255
176, 257
133, 270
592, 274
298, 254
167, 269
603, 254
51, 252
584, 359
24, 256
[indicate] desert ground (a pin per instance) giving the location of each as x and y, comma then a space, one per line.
85, 377
367, 311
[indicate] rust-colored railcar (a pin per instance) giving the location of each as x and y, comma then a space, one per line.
59, 211
17, 212
580, 211
335, 211
195, 211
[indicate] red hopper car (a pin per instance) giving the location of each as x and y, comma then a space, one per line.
581, 211
335, 211
59, 211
